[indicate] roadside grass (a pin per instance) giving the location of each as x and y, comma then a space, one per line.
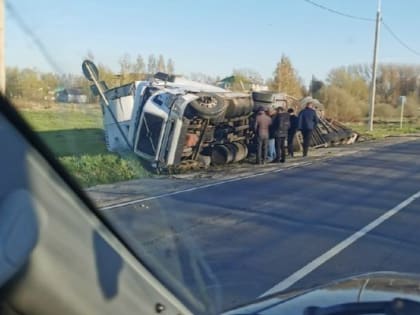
385, 129
75, 135
91, 170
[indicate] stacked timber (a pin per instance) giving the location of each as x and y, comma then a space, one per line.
327, 133
330, 133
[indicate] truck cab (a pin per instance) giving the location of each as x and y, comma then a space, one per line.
173, 122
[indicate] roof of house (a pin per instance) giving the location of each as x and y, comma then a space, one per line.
233, 79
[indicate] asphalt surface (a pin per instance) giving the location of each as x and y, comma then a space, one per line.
248, 235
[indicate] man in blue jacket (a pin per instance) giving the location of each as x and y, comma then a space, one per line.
308, 120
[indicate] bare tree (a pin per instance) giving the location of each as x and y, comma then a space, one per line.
170, 66
151, 64
125, 64
139, 66
161, 64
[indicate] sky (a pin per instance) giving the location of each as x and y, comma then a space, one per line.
212, 37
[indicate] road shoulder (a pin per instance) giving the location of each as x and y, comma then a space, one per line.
121, 192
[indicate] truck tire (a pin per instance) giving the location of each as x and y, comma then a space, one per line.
221, 154
208, 106
241, 151
229, 152
264, 97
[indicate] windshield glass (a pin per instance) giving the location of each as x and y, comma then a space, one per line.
149, 135
240, 148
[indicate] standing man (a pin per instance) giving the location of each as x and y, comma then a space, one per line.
281, 124
292, 131
271, 155
307, 122
262, 126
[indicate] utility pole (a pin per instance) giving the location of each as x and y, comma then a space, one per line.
403, 99
2, 57
312, 86
374, 66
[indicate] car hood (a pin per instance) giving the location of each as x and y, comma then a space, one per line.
367, 287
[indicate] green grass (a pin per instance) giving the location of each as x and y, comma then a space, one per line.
386, 129
92, 170
76, 137
63, 119
75, 142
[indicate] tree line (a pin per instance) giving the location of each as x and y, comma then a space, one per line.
347, 89
30, 83
344, 92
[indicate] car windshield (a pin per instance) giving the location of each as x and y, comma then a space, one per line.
240, 148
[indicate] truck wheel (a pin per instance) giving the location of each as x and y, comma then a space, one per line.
221, 154
208, 106
265, 97
241, 151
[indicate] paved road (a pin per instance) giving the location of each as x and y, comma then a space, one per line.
254, 233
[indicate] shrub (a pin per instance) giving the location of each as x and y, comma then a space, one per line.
385, 111
342, 106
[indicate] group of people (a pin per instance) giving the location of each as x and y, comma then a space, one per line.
272, 130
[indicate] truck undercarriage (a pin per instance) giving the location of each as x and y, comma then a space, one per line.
220, 138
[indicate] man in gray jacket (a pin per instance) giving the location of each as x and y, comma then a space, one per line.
262, 127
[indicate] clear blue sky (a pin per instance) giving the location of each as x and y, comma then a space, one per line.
212, 37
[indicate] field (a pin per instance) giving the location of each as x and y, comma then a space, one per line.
385, 129
75, 134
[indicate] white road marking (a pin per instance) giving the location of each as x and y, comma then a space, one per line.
234, 179
301, 273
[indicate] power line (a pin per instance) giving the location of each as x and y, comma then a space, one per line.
27, 30
354, 17
387, 27
398, 39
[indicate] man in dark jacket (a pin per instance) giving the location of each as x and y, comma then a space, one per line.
262, 126
281, 124
292, 131
307, 122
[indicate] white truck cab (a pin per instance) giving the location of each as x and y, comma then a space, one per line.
170, 122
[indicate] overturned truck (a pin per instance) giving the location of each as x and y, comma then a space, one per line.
173, 123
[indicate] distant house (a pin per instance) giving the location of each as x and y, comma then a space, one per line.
239, 83
71, 95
